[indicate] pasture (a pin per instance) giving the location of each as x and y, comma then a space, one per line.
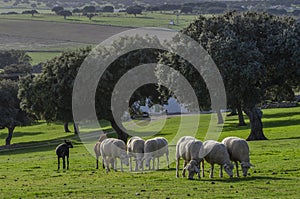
147, 19
28, 168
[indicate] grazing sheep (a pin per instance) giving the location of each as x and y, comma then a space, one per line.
97, 150
155, 148
135, 148
62, 151
238, 150
216, 152
188, 148
112, 148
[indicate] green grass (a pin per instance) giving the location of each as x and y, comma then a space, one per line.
38, 57
116, 19
30, 172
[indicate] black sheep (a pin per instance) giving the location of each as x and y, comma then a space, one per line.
62, 151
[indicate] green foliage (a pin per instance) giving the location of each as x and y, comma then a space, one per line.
49, 95
10, 113
57, 9
253, 51
9, 57
134, 10
65, 13
17, 69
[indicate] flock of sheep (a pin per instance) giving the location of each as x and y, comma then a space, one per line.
190, 149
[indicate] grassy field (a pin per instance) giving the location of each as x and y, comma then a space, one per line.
38, 57
147, 19
28, 169
49, 32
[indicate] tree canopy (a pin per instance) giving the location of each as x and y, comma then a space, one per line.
253, 51
49, 95
134, 10
10, 113
9, 57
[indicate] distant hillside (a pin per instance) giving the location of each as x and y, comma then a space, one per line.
119, 4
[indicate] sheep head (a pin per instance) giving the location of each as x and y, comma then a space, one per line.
192, 167
228, 167
69, 144
245, 167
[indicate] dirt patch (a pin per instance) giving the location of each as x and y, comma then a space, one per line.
37, 35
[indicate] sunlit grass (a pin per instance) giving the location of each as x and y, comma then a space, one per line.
31, 172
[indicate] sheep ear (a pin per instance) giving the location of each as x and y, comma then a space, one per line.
251, 165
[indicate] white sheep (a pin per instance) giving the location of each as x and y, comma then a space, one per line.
135, 148
97, 149
188, 148
238, 150
155, 148
112, 148
216, 153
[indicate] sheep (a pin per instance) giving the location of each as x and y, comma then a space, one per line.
97, 150
216, 152
135, 148
188, 148
62, 151
155, 148
112, 148
238, 150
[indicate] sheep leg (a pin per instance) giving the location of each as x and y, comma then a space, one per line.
111, 163
106, 164
211, 175
153, 167
202, 168
115, 164
177, 167
121, 165
157, 163
136, 165
64, 162
237, 168
199, 170
103, 165
168, 160
97, 162
183, 170
130, 163
58, 163
67, 162
221, 171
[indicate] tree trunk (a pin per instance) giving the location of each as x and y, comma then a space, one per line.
256, 125
10, 134
121, 134
76, 130
66, 127
241, 116
220, 117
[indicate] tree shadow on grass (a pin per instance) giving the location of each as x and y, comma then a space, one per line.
281, 123
36, 146
280, 115
20, 134
46, 145
245, 179
289, 138
266, 124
